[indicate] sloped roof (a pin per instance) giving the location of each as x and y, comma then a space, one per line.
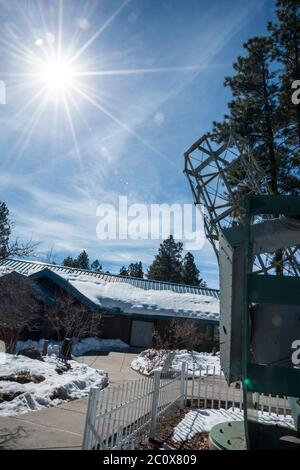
130, 296
29, 267
15, 279
21, 291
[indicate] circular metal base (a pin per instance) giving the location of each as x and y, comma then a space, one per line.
228, 436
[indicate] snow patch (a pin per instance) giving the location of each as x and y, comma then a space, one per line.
80, 347
71, 384
97, 344
151, 359
204, 420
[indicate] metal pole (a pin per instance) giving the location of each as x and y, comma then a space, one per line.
90, 418
156, 384
182, 386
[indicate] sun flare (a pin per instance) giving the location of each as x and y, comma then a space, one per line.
62, 77
56, 75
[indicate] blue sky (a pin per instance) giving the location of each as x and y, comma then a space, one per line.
60, 160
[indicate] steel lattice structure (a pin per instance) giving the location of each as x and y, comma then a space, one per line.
209, 168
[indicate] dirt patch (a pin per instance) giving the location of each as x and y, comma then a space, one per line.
61, 368
198, 442
32, 353
165, 432
23, 377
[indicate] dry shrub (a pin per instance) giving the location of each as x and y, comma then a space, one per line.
181, 334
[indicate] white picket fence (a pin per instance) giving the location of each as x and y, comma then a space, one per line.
123, 416
119, 417
207, 388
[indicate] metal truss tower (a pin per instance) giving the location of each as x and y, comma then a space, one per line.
210, 169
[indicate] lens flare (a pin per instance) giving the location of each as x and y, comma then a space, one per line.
56, 75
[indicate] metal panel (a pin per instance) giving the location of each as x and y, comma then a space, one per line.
266, 204
273, 330
273, 379
274, 289
231, 304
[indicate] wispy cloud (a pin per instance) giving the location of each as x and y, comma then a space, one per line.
134, 148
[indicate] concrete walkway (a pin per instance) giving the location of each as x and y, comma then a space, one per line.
62, 427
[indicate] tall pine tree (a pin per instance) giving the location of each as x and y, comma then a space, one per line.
190, 272
8, 248
70, 262
5, 230
136, 270
83, 260
286, 51
167, 263
96, 266
123, 271
254, 111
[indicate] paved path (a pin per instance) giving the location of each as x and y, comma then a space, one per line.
62, 427
116, 364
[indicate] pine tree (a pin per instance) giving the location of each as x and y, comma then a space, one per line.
70, 262
136, 270
83, 260
254, 112
286, 50
124, 271
8, 248
96, 266
190, 272
167, 263
5, 229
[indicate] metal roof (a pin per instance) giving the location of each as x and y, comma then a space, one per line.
29, 267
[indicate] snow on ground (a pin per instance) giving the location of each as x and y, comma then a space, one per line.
69, 385
203, 420
79, 347
97, 344
151, 359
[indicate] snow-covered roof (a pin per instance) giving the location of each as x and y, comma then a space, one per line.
138, 297
28, 267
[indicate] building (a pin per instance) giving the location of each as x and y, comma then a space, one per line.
131, 308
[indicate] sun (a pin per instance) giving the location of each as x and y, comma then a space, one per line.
57, 76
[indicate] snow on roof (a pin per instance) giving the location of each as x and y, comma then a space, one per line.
104, 292
131, 299
29, 267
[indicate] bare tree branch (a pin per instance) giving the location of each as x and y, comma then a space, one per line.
70, 319
181, 334
18, 249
